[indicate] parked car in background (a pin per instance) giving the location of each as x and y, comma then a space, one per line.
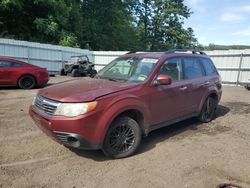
21, 74
133, 95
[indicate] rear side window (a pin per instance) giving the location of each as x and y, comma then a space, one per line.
192, 68
208, 66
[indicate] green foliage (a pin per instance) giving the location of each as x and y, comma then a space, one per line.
69, 40
99, 24
223, 47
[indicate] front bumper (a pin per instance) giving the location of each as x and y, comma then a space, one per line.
55, 129
75, 141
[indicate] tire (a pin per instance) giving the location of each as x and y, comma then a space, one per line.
122, 139
75, 73
62, 72
247, 87
208, 110
27, 82
93, 73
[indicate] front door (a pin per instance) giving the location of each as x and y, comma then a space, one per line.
4, 72
169, 102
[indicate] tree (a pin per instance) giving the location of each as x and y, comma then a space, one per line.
99, 24
161, 24
108, 25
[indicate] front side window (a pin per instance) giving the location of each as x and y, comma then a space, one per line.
192, 68
4, 64
208, 66
128, 69
172, 67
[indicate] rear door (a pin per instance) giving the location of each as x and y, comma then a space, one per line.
169, 102
8, 72
194, 75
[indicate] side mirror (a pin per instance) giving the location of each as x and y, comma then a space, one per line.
163, 79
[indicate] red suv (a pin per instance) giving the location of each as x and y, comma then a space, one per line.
133, 95
19, 73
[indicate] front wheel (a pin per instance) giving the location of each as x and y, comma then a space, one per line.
75, 73
27, 82
93, 73
122, 138
208, 110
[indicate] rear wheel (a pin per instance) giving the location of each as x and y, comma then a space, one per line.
62, 72
122, 138
75, 73
27, 82
247, 86
208, 110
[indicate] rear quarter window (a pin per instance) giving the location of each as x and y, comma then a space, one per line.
208, 66
16, 65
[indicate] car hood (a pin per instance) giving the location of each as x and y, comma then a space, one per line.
83, 89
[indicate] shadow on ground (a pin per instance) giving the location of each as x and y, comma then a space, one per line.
164, 134
177, 131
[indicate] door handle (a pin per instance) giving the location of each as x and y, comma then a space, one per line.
183, 88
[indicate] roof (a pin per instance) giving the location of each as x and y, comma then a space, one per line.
172, 52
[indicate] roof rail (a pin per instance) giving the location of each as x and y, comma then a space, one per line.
185, 50
145, 51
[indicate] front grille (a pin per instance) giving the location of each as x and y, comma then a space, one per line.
45, 106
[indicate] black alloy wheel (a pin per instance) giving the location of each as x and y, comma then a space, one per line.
27, 82
208, 110
123, 138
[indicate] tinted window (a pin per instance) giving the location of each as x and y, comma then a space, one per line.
16, 65
208, 66
173, 68
5, 64
192, 68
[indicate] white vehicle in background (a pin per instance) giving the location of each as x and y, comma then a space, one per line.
79, 66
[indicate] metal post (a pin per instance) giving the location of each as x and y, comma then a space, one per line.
28, 52
239, 70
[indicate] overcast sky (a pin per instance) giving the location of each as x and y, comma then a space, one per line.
220, 21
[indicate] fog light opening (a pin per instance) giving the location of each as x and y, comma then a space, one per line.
74, 142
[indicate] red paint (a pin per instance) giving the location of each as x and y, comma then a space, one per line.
11, 75
156, 103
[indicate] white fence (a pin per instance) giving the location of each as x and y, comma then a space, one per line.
233, 65
44, 55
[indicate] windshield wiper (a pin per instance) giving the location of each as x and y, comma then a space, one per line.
112, 79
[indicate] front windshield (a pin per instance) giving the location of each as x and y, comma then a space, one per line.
128, 69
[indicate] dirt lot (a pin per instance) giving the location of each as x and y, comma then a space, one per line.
187, 154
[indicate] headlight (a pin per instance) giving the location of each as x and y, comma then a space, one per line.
74, 109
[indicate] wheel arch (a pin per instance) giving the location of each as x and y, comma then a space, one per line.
212, 94
26, 74
131, 108
135, 114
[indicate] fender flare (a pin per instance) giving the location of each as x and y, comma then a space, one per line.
211, 92
118, 106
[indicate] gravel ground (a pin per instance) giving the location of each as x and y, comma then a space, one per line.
188, 154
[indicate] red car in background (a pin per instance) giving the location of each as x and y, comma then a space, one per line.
21, 74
